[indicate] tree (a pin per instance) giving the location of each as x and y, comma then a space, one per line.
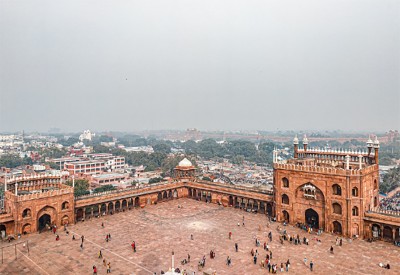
104, 138
108, 187
12, 161
155, 180
239, 159
162, 148
81, 187
391, 180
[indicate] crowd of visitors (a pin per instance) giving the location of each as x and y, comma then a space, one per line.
392, 204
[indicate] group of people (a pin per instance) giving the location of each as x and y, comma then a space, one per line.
292, 239
212, 254
107, 265
392, 204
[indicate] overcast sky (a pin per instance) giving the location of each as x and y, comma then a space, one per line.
209, 64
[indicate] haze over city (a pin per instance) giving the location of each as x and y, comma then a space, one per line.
248, 65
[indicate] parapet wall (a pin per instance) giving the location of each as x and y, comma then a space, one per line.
46, 194
326, 170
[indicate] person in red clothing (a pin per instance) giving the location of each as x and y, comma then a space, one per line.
133, 246
94, 270
230, 235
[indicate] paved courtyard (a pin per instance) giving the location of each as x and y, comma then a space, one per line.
161, 228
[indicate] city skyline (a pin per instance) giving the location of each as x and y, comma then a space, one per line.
258, 65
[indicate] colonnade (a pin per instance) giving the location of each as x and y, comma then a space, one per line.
241, 202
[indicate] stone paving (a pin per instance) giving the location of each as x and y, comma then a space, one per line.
159, 229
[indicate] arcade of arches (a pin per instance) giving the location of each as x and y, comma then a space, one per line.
306, 204
121, 205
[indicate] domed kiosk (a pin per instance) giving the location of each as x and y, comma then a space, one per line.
185, 170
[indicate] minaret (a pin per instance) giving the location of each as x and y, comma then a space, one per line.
305, 142
5, 183
369, 145
273, 155
296, 146
376, 149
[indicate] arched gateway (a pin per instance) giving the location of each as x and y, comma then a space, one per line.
312, 218
44, 220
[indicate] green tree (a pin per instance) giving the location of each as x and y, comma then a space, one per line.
12, 161
81, 187
155, 180
162, 148
391, 180
104, 138
103, 188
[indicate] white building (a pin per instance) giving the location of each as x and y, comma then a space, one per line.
86, 135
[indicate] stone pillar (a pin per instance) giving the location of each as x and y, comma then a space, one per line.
114, 207
106, 208
394, 233
347, 162
99, 206
360, 161
84, 213
91, 212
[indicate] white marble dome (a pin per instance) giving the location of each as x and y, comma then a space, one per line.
185, 163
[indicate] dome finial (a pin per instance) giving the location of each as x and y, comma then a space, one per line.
305, 140
376, 142
296, 140
369, 141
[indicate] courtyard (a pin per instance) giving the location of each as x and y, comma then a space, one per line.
160, 229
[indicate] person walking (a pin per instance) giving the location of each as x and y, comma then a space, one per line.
331, 249
100, 254
109, 267
287, 265
188, 258
311, 265
236, 247
305, 261
94, 270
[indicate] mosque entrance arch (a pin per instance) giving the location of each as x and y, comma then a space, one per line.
44, 220
312, 218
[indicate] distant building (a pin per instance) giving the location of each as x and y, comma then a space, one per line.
86, 135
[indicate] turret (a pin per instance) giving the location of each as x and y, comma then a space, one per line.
369, 145
376, 149
305, 142
296, 146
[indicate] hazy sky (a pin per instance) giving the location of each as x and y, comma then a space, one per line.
209, 64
